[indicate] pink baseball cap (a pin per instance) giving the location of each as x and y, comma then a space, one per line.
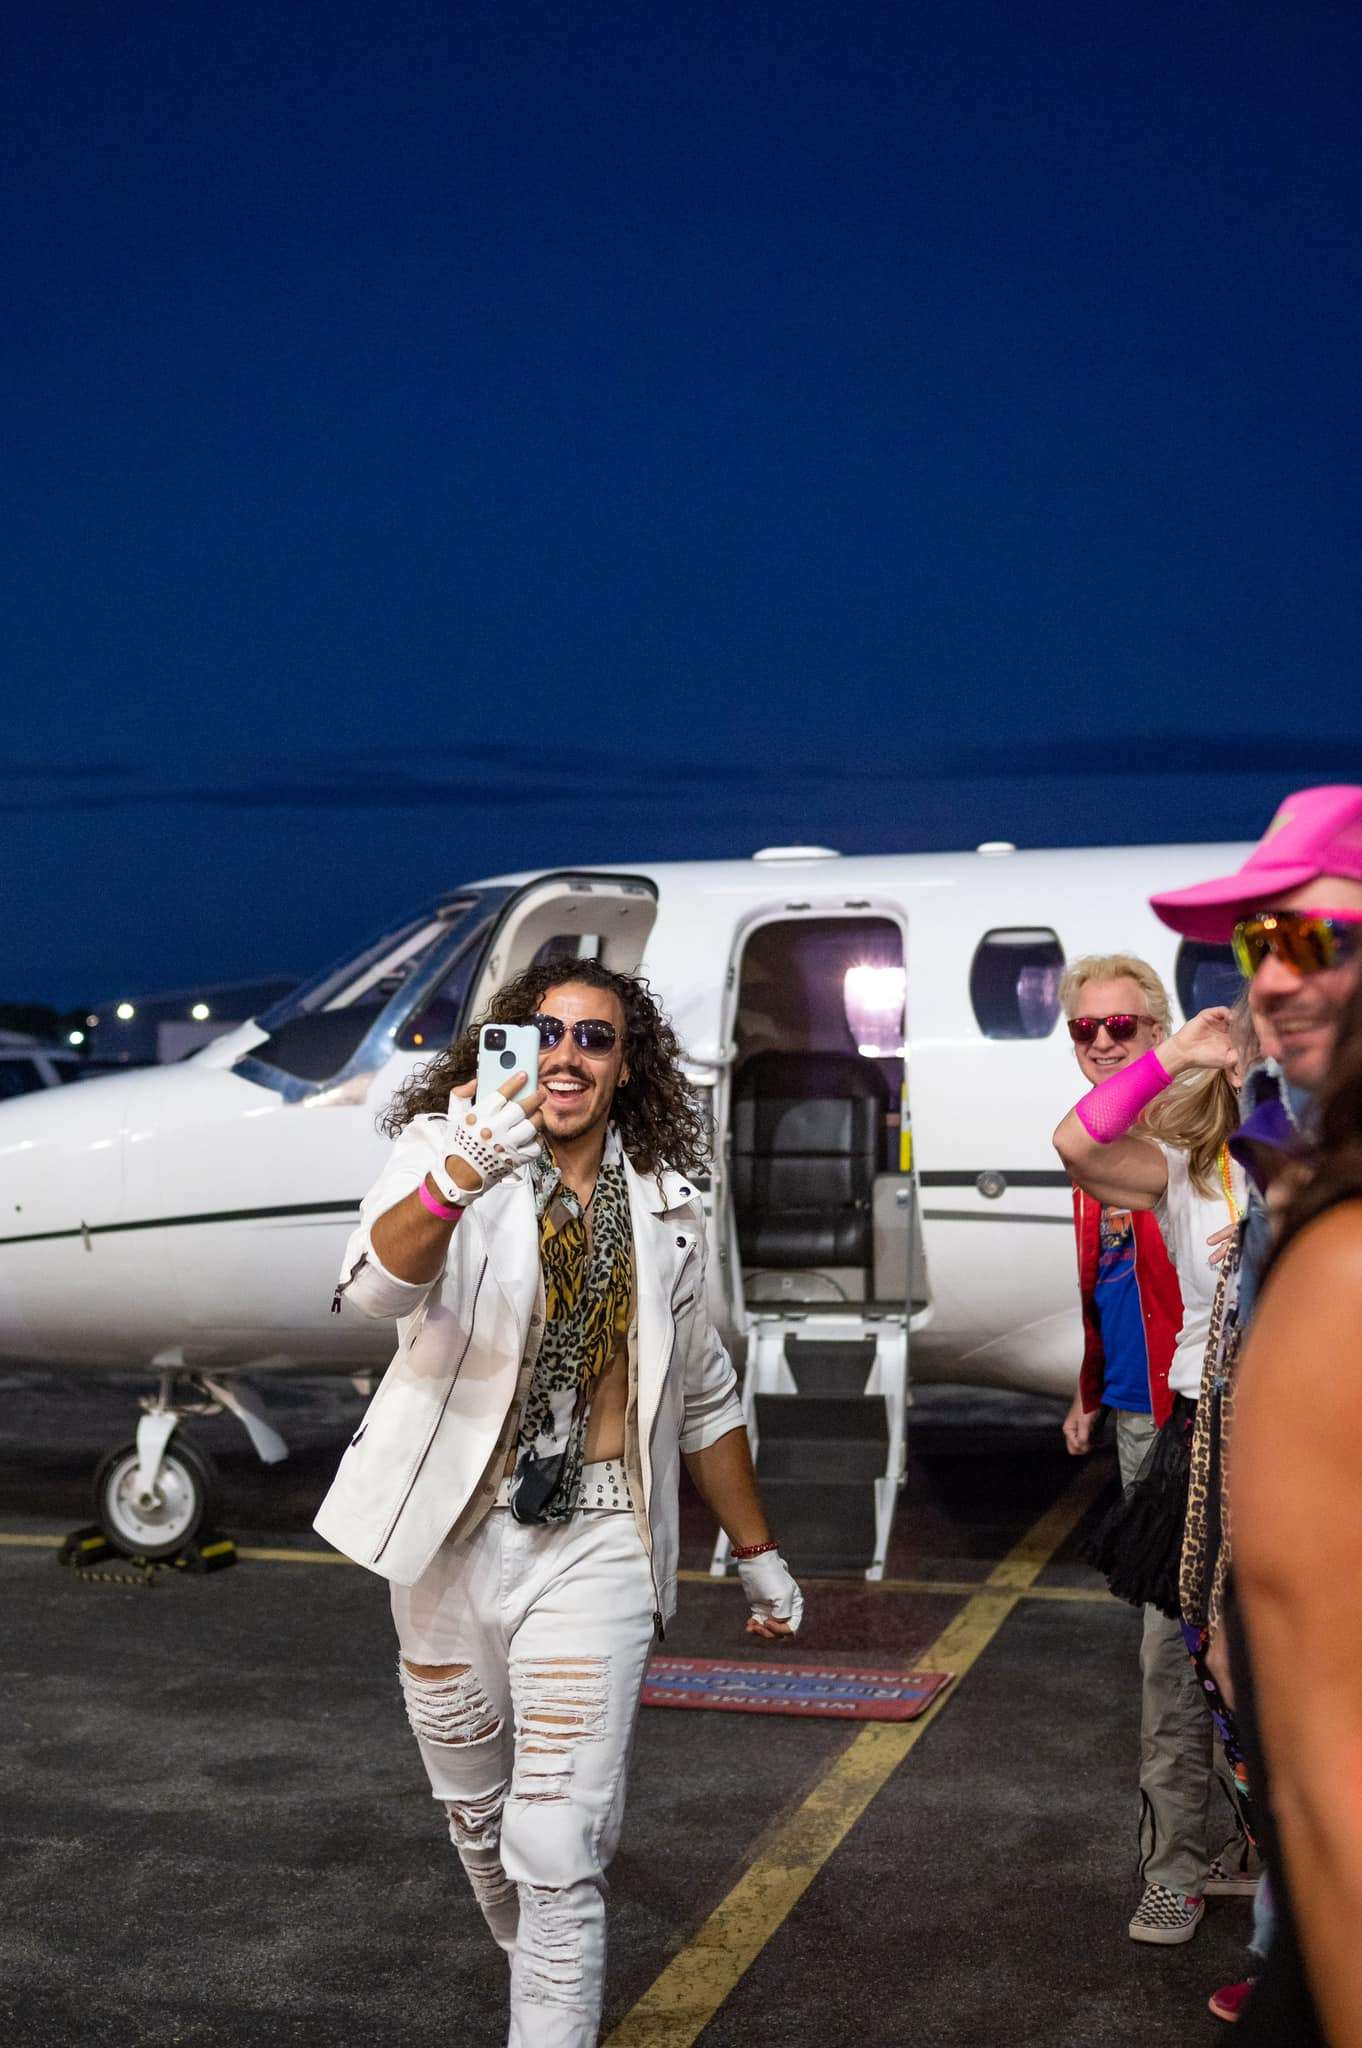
1315, 832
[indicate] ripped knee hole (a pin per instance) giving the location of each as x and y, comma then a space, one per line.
451, 1708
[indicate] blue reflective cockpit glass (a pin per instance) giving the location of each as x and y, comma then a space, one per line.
397, 993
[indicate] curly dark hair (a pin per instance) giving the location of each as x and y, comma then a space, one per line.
1336, 1169
656, 1111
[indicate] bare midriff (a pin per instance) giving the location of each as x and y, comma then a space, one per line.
609, 1403
609, 1406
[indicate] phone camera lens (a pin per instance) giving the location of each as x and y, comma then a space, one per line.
495, 1039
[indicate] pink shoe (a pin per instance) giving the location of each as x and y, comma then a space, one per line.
1229, 2001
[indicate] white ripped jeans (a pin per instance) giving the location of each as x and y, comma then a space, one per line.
546, 1630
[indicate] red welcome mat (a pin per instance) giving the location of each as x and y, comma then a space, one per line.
842, 1692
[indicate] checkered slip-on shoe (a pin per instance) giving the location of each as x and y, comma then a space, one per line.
1165, 1917
1235, 1872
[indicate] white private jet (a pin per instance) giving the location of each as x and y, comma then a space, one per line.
879, 1043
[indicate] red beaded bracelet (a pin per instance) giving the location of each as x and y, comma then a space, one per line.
753, 1549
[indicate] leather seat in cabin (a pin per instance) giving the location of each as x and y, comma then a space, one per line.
806, 1131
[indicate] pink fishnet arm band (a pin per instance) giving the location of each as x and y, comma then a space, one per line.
1113, 1105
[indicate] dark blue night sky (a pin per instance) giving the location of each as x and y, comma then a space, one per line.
449, 439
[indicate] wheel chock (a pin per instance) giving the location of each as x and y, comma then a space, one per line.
212, 1553
84, 1547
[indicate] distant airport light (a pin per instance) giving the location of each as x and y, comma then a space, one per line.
125, 1010
873, 999
75, 1038
200, 1013
91, 1021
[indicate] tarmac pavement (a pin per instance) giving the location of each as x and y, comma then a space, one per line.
217, 1831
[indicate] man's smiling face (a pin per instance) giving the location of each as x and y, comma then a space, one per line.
1106, 1055
579, 1087
1297, 1014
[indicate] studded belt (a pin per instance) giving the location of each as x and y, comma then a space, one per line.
605, 1485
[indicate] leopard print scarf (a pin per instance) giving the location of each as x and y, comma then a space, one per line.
588, 1297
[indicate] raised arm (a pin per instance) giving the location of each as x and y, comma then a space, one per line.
438, 1166
1095, 1140
1294, 1490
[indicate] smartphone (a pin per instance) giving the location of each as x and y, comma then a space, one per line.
503, 1050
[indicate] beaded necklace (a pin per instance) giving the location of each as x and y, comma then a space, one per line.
1237, 1214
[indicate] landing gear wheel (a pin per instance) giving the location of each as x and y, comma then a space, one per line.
184, 1498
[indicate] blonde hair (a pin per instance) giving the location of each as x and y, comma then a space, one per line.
1201, 1109
1116, 967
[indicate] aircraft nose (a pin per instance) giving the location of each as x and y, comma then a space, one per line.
60, 1157
61, 1174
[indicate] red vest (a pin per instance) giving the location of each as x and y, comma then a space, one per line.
1160, 1300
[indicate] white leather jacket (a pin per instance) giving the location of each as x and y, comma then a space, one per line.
428, 1434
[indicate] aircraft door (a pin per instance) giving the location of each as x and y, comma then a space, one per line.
814, 1193
569, 916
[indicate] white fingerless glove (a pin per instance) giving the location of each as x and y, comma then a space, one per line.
493, 1137
771, 1593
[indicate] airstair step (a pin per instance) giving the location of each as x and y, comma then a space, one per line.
824, 1366
861, 1416
816, 1459
824, 1526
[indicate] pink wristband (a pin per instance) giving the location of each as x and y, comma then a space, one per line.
1114, 1104
428, 1201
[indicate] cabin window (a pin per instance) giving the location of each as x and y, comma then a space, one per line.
1206, 975
1014, 982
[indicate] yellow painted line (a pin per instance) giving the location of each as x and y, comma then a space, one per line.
294, 1557
680, 2004
957, 1587
951, 1588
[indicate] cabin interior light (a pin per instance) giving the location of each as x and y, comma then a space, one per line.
125, 1011
873, 999
200, 1013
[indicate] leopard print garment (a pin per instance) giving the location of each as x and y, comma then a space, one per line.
588, 1296
1206, 1532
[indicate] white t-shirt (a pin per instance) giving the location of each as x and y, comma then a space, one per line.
1186, 1219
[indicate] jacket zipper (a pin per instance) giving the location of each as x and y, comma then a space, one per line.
453, 1378
659, 1626
348, 1281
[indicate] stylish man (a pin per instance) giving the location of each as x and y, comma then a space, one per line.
516, 1474
1293, 914
1116, 1008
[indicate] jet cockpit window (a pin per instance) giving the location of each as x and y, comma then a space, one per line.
320, 1029
1014, 982
1206, 975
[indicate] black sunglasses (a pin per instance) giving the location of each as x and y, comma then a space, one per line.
588, 1034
